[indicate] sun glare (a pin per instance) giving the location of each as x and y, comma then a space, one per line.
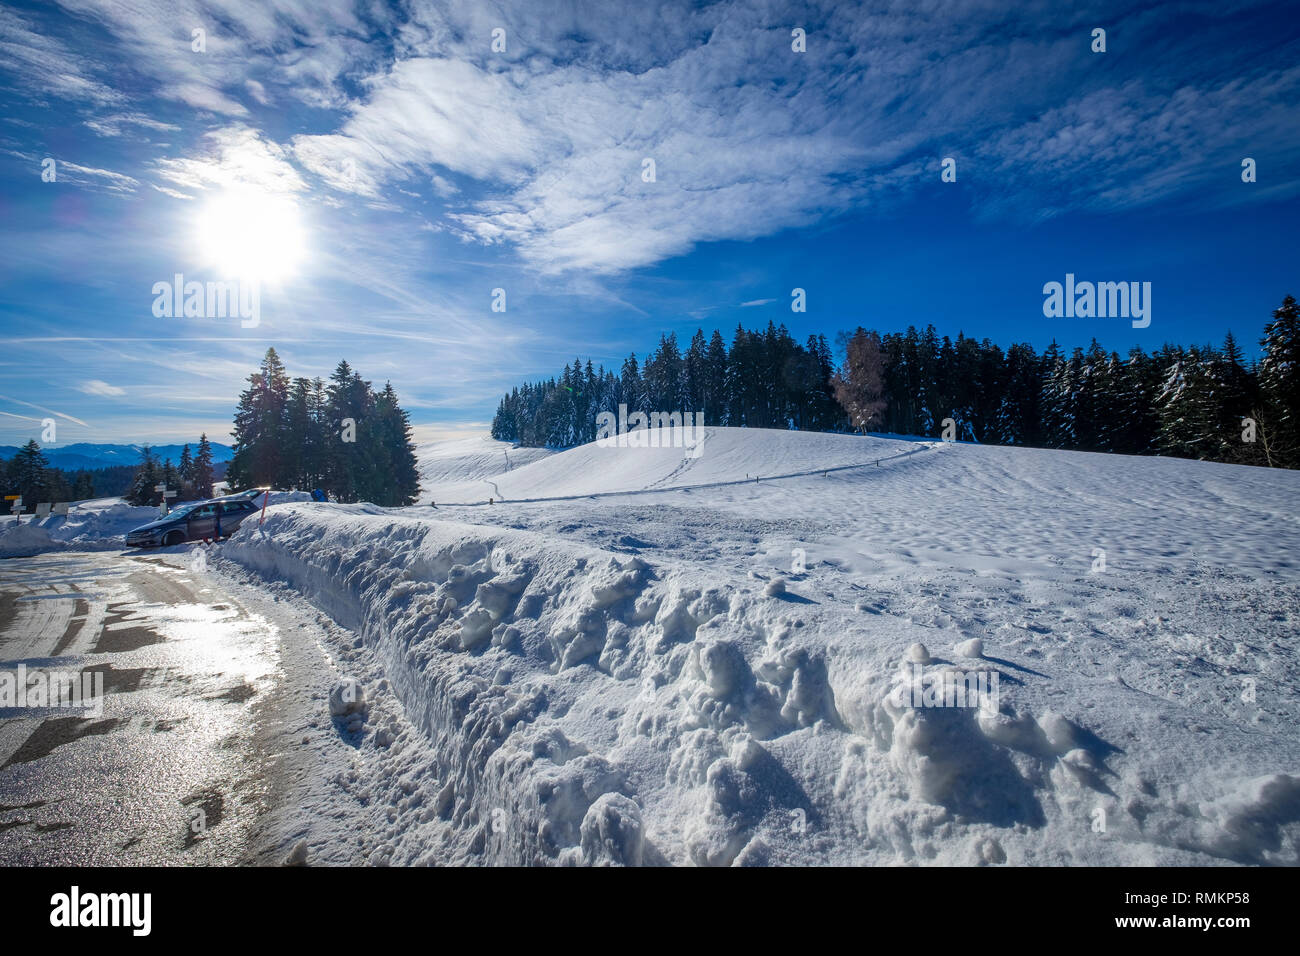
251, 235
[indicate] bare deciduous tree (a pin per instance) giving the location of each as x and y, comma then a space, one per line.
859, 383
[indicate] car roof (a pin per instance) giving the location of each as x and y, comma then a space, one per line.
223, 500
241, 495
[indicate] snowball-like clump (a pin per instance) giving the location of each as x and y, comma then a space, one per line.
347, 697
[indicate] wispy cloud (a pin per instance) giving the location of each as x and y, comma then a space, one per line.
96, 387
42, 408
748, 137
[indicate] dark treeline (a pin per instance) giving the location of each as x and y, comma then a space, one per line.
340, 436
1184, 401
765, 380
30, 475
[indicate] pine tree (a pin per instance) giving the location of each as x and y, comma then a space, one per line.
1187, 407
261, 428
633, 390
1279, 379
715, 381
1055, 398
1019, 418
186, 471
663, 376
83, 486
29, 474
203, 469
141, 490
696, 374
298, 434
351, 473
400, 477
170, 477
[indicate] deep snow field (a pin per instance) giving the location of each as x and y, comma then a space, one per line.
642, 677
691, 660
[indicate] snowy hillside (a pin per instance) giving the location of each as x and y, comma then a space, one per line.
468, 461
744, 672
726, 456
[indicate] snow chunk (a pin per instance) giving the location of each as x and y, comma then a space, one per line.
611, 832
347, 697
298, 855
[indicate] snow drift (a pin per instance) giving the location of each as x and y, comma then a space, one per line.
740, 681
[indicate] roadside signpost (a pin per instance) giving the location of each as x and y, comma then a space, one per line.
16, 508
265, 499
163, 510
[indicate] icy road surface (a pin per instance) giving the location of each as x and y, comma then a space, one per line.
214, 745
168, 772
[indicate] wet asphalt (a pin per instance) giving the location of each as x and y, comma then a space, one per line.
164, 768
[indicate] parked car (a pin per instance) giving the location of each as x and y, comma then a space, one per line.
216, 517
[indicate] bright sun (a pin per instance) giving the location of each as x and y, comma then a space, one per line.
253, 235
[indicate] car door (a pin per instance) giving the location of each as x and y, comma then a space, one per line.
232, 513
202, 523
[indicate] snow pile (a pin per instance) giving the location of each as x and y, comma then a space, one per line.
97, 525
25, 540
695, 695
100, 524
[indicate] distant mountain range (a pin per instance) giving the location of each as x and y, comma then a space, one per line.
88, 455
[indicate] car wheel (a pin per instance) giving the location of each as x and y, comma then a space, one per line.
174, 538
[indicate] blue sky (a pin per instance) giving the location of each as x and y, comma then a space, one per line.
379, 169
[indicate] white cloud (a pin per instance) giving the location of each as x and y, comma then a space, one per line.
96, 387
114, 124
307, 45
547, 141
749, 138
49, 64
234, 156
88, 175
